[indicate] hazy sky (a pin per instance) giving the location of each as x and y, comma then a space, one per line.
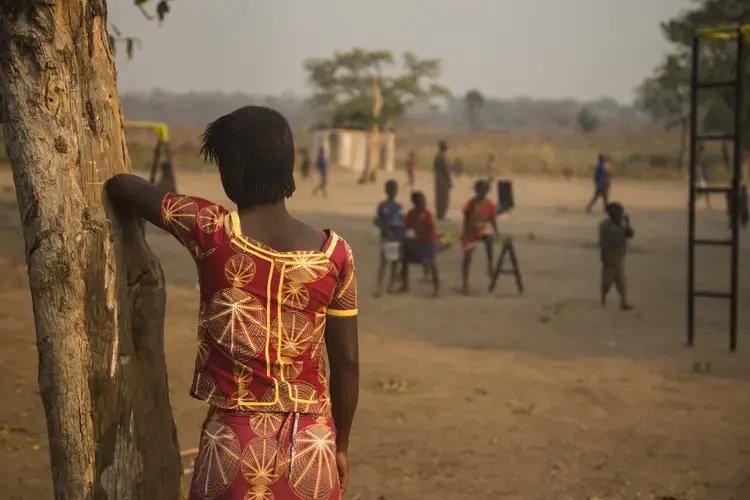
505, 48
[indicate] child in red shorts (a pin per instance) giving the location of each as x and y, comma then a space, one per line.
480, 226
421, 240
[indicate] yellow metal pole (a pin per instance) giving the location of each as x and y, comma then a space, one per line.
723, 33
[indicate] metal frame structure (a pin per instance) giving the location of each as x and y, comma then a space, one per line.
740, 36
508, 250
162, 147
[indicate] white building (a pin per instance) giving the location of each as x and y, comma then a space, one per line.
348, 148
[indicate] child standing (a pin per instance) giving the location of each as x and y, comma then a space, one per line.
480, 225
305, 165
614, 232
421, 236
411, 169
390, 221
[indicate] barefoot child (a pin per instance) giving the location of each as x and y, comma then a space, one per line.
390, 221
422, 238
480, 224
614, 232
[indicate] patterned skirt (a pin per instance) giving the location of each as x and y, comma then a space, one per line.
266, 456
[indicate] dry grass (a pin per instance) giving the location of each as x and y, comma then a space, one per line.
636, 154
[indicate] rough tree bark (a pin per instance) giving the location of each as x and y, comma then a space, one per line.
97, 290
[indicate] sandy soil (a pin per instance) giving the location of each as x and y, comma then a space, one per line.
544, 396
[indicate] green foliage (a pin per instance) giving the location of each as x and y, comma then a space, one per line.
346, 87
159, 13
665, 96
587, 121
473, 103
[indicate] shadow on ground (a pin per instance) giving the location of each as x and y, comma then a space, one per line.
559, 315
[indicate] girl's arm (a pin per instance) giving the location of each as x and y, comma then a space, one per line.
342, 345
343, 356
130, 193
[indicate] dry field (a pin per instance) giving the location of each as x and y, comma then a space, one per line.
540, 397
637, 154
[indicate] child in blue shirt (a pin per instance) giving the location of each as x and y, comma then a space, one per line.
390, 220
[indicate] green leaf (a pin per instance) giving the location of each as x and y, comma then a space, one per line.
129, 47
162, 9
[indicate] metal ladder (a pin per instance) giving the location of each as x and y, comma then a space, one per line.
738, 35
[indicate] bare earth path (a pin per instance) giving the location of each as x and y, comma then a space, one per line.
545, 396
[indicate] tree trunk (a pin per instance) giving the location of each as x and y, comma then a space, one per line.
97, 290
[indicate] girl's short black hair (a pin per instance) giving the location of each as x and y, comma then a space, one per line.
253, 148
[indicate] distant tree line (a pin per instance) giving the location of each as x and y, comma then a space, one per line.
199, 108
362, 88
486, 114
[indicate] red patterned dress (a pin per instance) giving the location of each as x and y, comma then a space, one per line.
260, 363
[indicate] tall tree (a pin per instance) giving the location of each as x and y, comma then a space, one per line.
97, 290
665, 98
343, 86
473, 104
717, 62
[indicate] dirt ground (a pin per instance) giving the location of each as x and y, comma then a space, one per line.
542, 396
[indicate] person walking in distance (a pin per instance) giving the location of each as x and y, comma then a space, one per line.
443, 181
491, 170
305, 164
321, 163
276, 296
411, 169
602, 182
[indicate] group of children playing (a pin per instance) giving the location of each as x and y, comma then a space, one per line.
413, 239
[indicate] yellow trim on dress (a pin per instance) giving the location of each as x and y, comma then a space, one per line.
257, 249
342, 313
258, 246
